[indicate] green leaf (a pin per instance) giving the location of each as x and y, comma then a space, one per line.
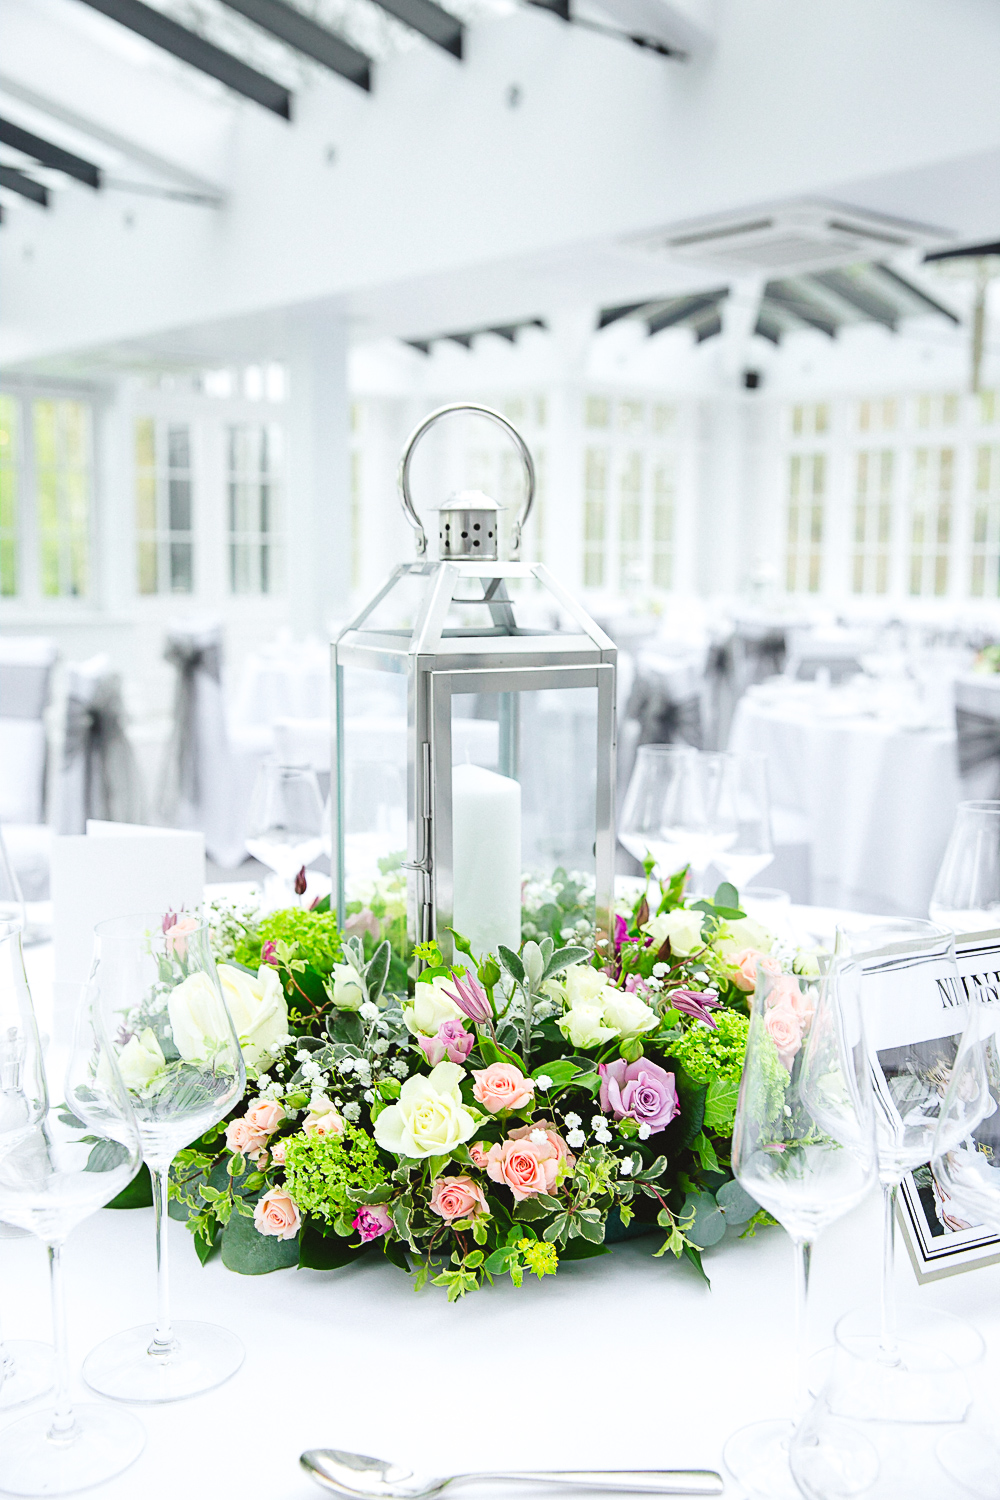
323, 904
705, 1152
709, 1223
323, 1252
436, 971
726, 895
720, 1104
511, 962
106, 1156
694, 1256
590, 1226
138, 1193
253, 1254
205, 1248
561, 1072
563, 957
378, 970
736, 1203
581, 1249
530, 1208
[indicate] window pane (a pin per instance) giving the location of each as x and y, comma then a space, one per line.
146, 567
179, 447
179, 504
181, 568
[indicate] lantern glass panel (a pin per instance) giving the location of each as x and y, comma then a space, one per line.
374, 750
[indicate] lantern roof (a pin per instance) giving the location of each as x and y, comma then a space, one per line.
463, 500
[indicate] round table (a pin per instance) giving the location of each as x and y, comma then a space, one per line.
876, 800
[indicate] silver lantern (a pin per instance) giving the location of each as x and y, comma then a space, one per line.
475, 726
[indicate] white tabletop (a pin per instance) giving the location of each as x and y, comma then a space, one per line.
623, 1361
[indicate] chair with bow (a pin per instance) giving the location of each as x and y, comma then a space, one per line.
977, 725
98, 777
26, 669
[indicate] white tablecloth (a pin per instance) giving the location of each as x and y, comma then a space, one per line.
878, 800
623, 1361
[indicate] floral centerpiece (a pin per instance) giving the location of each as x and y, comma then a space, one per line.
491, 1116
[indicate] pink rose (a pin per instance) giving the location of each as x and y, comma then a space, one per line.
372, 1222
785, 1030
502, 1086
244, 1138
457, 1198
479, 1157
323, 1118
265, 1115
552, 1135
746, 961
276, 1213
786, 991
452, 1041
363, 921
278, 1152
528, 1166
176, 934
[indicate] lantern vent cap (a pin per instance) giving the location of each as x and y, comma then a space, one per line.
469, 500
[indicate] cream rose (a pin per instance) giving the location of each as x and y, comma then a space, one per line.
266, 1115
683, 928
140, 1060
347, 991
430, 1007
627, 1013
277, 1213
583, 984
583, 1026
323, 1117
429, 1118
258, 1008
198, 1017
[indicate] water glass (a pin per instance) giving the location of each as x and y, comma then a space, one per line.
156, 987
286, 823
659, 771
56, 1169
966, 893
744, 811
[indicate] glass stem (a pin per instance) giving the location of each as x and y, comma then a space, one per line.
163, 1339
6, 1360
888, 1340
803, 1260
63, 1428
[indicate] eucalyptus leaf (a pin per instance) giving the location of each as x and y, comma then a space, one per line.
253, 1254
726, 894
736, 1203
106, 1156
709, 1224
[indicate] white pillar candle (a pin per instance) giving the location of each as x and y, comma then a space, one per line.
486, 858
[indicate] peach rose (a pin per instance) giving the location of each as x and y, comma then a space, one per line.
176, 935
786, 991
277, 1213
323, 1118
529, 1164
479, 1157
265, 1115
746, 961
243, 1137
502, 1086
551, 1134
278, 1152
785, 1030
457, 1198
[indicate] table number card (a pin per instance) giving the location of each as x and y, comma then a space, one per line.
940, 1241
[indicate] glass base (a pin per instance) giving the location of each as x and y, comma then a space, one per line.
925, 1381
200, 1357
27, 1370
833, 1461
104, 1441
757, 1457
972, 1459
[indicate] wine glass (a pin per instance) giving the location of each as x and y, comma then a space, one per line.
905, 966
804, 1149
745, 812
286, 823
966, 1144
651, 790
967, 890
26, 1365
12, 907
159, 995
55, 1172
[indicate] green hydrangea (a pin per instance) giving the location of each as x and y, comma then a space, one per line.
320, 1168
718, 1053
315, 932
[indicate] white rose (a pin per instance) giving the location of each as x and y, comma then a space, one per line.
197, 1017
746, 933
583, 984
140, 1060
347, 991
430, 1006
258, 1008
429, 1118
629, 1015
683, 928
583, 1026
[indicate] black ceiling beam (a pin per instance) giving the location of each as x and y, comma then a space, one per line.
967, 252
49, 155
17, 181
508, 331
767, 328
609, 315
437, 25
847, 289
197, 53
308, 37
558, 7
683, 308
915, 291
798, 308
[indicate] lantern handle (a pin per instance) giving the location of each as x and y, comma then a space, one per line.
404, 471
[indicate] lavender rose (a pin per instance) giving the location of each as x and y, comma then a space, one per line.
641, 1091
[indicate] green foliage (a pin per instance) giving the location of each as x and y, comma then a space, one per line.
253, 1254
329, 1175
709, 1054
315, 933
137, 1194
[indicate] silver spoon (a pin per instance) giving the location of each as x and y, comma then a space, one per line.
364, 1478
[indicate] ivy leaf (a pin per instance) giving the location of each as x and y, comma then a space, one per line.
511, 962
720, 1104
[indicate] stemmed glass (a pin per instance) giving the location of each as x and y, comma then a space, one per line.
159, 995
286, 825
12, 907
26, 1365
804, 1149
55, 1171
674, 809
642, 825
905, 966
745, 811
967, 890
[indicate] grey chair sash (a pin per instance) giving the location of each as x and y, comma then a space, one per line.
95, 730
181, 779
664, 720
978, 739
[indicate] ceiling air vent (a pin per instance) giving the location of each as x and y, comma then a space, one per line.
789, 238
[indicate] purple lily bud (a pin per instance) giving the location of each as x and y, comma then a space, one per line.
269, 952
471, 999
169, 920
695, 1003
621, 932
300, 882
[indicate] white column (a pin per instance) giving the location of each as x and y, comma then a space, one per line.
318, 482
